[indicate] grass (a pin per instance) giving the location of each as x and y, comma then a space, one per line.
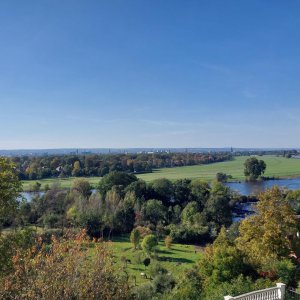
176, 260
65, 183
276, 166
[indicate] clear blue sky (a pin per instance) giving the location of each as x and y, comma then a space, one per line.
149, 73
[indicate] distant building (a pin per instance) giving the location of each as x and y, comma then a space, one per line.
59, 169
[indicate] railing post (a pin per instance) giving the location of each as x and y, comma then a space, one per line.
281, 289
228, 298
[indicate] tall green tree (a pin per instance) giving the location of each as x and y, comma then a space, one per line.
154, 211
76, 169
149, 243
266, 235
253, 168
135, 237
10, 188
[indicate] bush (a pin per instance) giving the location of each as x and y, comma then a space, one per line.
135, 237
156, 269
286, 272
189, 288
65, 272
221, 177
237, 286
51, 220
144, 230
163, 283
146, 261
168, 241
149, 243
144, 292
47, 235
10, 244
189, 234
92, 224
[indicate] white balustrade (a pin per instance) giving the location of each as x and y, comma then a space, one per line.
275, 293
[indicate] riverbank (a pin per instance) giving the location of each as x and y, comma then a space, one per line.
279, 167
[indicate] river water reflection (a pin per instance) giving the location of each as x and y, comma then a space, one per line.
254, 188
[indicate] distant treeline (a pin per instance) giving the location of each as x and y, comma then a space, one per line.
39, 167
280, 152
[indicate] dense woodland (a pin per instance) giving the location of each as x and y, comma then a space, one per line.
55, 261
190, 211
38, 167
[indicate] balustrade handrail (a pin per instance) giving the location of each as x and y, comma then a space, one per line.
273, 293
256, 293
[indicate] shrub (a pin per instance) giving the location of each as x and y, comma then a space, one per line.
221, 177
189, 234
144, 292
168, 241
51, 220
146, 261
163, 283
143, 230
135, 237
10, 244
156, 269
65, 272
149, 243
48, 234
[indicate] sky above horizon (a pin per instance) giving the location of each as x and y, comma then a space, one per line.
88, 74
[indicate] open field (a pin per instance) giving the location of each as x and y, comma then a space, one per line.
177, 259
65, 183
276, 166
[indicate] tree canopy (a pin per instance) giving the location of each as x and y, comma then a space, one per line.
253, 168
10, 188
266, 235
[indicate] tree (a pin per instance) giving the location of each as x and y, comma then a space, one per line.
82, 186
217, 208
76, 169
162, 190
115, 178
168, 241
182, 191
266, 235
10, 188
112, 208
11, 244
146, 261
293, 197
135, 237
222, 261
253, 168
189, 212
200, 191
221, 177
149, 243
153, 211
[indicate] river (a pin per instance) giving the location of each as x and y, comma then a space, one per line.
254, 188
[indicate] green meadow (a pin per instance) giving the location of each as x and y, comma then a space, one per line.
276, 167
177, 259
65, 183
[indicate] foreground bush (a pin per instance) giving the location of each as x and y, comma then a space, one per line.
65, 270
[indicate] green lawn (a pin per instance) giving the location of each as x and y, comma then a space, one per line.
276, 166
65, 183
175, 260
